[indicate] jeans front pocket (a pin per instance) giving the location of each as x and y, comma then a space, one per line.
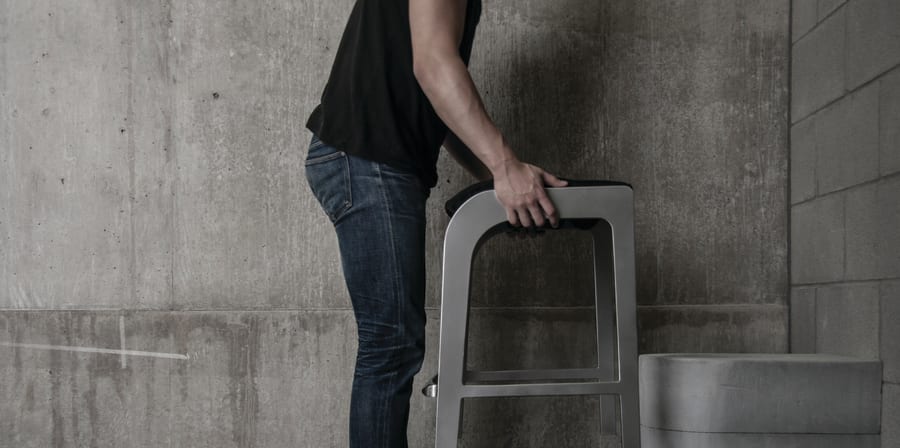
328, 176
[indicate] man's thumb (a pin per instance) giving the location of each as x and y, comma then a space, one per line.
552, 180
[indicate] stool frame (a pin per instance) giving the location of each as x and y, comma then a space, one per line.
474, 222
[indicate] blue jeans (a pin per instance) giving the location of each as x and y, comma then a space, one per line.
378, 213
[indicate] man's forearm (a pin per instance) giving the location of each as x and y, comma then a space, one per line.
449, 87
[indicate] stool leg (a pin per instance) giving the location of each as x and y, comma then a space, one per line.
449, 390
454, 325
631, 421
605, 307
451, 364
449, 416
622, 225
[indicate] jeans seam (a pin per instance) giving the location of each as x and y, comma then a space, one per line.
399, 303
325, 158
348, 184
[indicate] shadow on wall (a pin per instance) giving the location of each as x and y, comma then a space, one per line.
550, 82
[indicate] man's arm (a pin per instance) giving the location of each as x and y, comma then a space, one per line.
465, 157
437, 28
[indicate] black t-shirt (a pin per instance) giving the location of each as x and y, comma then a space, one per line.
372, 105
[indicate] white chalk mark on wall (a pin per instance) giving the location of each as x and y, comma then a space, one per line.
69, 348
123, 359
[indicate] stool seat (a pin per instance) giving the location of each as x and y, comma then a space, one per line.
453, 204
604, 208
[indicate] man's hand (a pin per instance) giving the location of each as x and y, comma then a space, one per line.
520, 189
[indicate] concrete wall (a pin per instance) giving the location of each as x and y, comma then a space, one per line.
152, 199
845, 186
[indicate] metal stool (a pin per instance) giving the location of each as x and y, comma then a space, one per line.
605, 209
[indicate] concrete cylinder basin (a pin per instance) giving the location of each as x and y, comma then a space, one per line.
759, 400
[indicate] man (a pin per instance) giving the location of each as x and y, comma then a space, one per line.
399, 89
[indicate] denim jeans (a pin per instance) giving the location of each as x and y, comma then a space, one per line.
378, 213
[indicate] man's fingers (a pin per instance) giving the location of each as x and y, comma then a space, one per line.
550, 211
511, 217
524, 217
537, 215
528, 205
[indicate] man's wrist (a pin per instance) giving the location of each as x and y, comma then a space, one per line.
501, 159
499, 167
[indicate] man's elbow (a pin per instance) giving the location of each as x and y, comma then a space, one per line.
430, 67
425, 68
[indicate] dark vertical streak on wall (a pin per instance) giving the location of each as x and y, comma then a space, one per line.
249, 398
94, 369
130, 127
6, 166
56, 409
166, 66
178, 374
10, 333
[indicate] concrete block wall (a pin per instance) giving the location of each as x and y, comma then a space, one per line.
152, 201
845, 186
